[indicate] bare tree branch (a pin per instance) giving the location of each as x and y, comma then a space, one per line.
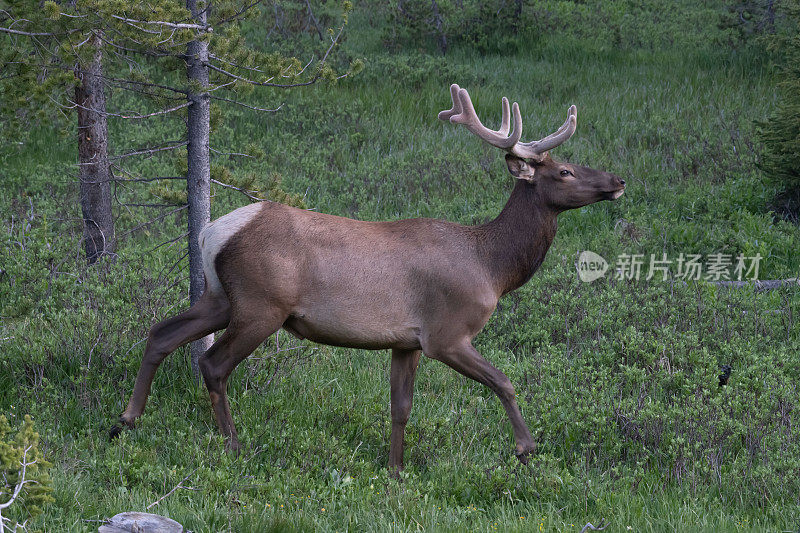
156, 113
151, 221
230, 154
34, 34
180, 26
22, 481
176, 487
147, 180
235, 188
146, 84
149, 151
314, 19
107, 78
176, 239
246, 105
140, 179
120, 115
147, 93
151, 53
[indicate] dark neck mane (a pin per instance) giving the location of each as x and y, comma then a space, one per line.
514, 244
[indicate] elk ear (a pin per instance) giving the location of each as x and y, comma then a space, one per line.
519, 168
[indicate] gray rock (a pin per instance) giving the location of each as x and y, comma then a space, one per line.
133, 522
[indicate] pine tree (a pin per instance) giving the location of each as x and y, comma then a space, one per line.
45, 57
217, 58
188, 54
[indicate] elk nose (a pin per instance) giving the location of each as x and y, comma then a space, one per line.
622, 181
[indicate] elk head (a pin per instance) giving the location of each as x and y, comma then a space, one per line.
561, 185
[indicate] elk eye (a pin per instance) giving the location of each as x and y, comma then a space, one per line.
566, 173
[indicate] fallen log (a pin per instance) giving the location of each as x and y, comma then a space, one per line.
760, 285
133, 522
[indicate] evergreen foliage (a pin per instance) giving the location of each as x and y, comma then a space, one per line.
145, 45
781, 132
37, 64
25, 484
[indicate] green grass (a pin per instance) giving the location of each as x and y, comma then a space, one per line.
617, 379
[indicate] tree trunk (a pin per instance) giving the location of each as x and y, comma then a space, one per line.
94, 172
198, 183
438, 23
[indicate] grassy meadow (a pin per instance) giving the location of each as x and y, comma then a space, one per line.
617, 379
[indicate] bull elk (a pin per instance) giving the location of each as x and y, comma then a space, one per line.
413, 286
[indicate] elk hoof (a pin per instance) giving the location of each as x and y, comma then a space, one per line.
114, 432
118, 428
394, 472
524, 452
233, 448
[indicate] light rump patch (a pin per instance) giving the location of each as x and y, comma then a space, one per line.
217, 233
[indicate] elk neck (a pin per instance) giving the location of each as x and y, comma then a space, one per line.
514, 244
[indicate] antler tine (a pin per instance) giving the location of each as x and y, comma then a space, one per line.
505, 123
468, 118
573, 111
535, 149
456, 109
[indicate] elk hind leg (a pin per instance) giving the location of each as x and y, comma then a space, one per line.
236, 344
211, 313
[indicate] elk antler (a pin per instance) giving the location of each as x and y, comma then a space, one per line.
463, 112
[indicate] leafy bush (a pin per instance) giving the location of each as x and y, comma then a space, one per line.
749, 19
492, 26
504, 26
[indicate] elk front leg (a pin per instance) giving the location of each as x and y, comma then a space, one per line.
466, 360
404, 370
